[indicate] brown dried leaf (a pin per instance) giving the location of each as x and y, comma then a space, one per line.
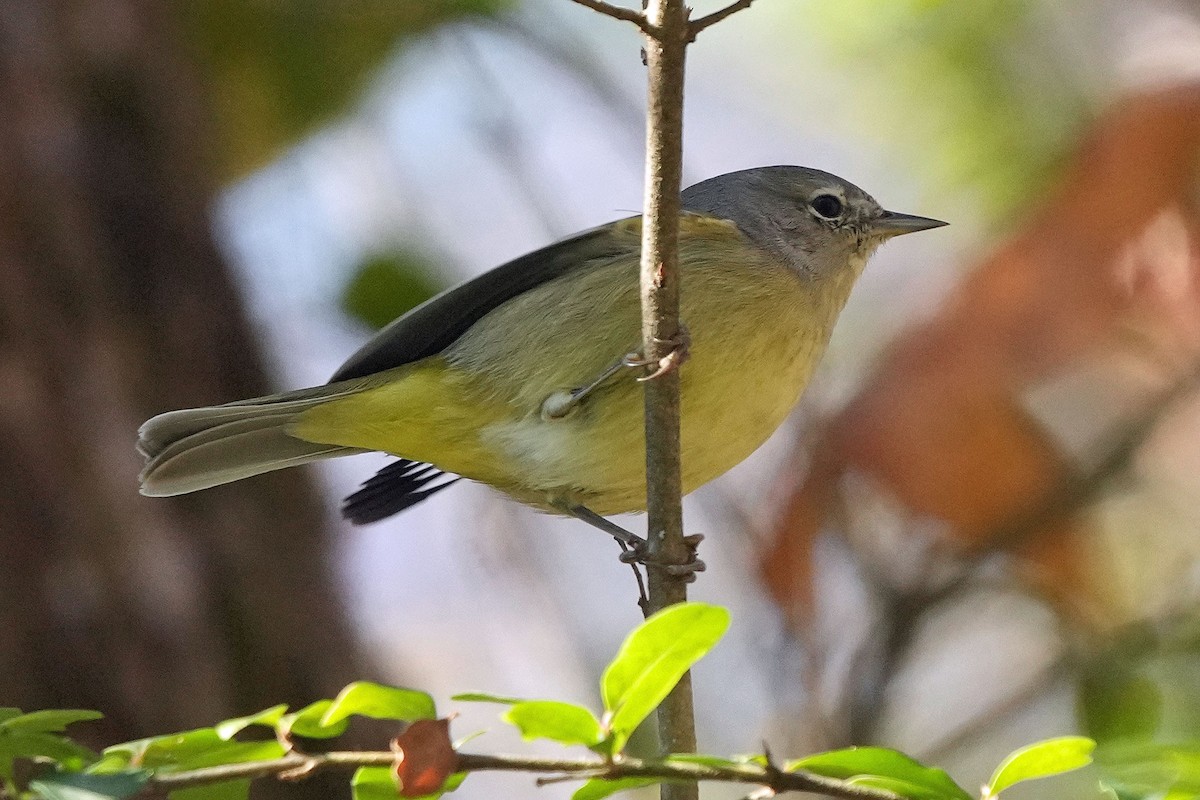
425, 757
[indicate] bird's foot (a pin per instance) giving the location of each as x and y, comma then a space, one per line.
640, 554
681, 345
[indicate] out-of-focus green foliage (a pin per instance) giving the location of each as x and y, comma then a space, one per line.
386, 286
275, 69
1140, 699
975, 93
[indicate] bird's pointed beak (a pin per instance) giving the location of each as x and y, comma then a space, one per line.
893, 223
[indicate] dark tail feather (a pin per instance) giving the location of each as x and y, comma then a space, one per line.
394, 488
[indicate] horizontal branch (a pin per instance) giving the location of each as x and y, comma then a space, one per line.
622, 13
708, 20
299, 765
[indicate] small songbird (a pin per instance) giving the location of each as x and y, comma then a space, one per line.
523, 378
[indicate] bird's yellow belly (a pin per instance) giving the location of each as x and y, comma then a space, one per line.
744, 375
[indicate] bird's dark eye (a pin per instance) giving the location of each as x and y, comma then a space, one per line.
827, 206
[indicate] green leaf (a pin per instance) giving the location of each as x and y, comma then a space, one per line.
41, 745
229, 790
110, 764
484, 697
379, 783
883, 768
652, 660
60, 785
374, 783
166, 750
452, 783
7, 713
53, 720
596, 789
387, 286
231, 727
1041, 760
566, 723
307, 722
191, 750
379, 702
233, 753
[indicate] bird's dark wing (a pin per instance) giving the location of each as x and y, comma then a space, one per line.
435, 324
394, 488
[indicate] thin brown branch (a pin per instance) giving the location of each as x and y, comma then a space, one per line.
622, 13
708, 20
661, 335
301, 766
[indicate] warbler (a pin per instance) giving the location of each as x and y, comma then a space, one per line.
523, 378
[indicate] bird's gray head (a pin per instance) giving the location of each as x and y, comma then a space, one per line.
818, 222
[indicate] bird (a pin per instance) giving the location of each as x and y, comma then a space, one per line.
524, 377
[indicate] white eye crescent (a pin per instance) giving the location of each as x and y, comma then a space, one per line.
827, 206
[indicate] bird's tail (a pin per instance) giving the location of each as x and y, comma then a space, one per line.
197, 448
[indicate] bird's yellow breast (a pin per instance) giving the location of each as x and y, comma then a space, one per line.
476, 410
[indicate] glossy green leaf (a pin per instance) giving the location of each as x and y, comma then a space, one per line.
565, 723
168, 750
387, 286
307, 722
229, 790
110, 764
233, 752
374, 783
377, 701
53, 720
652, 660
60, 785
268, 717
41, 745
452, 783
1041, 760
596, 789
484, 697
379, 783
878, 766
203, 747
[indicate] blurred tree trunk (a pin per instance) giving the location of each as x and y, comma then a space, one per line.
114, 305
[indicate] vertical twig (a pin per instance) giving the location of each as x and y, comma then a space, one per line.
665, 49
667, 31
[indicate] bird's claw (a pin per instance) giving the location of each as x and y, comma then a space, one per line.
639, 554
681, 344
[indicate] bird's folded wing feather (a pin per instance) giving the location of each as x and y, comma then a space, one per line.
435, 324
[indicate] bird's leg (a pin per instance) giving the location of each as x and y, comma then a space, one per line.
635, 543
559, 404
636, 551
